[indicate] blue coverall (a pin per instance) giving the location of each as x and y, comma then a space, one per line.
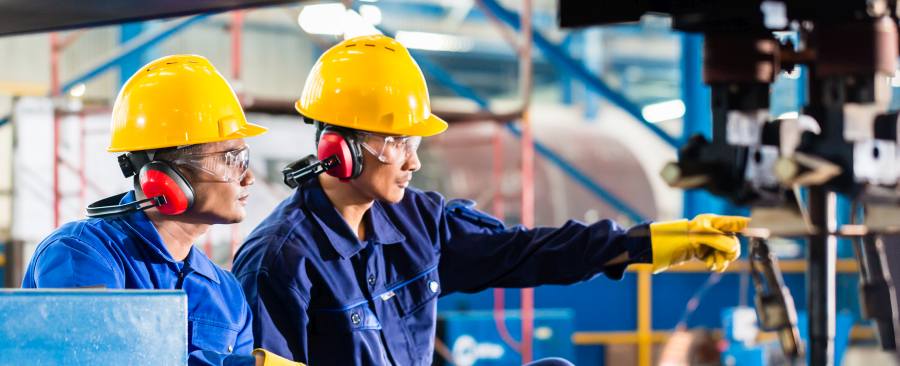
127, 253
323, 297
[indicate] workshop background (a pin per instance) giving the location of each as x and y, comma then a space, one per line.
607, 107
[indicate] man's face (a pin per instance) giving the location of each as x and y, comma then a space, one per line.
220, 189
386, 182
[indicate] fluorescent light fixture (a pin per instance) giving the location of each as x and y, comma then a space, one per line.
324, 19
371, 13
663, 111
78, 90
354, 25
334, 19
789, 115
434, 41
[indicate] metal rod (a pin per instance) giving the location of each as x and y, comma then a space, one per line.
55, 91
82, 157
237, 27
527, 142
645, 316
498, 211
820, 279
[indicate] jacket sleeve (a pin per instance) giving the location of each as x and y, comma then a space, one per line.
69, 262
280, 307
479, 252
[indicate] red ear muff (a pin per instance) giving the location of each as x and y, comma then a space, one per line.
335, 141
158, 178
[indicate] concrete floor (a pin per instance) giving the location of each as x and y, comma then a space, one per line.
869, 356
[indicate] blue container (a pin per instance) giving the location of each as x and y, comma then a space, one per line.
473, 339
93, 327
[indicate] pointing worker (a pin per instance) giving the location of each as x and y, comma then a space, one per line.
348, 270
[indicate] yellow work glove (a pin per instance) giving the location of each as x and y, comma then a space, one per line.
707, 237
266, 358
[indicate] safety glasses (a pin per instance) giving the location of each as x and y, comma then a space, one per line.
389, 149
225, 166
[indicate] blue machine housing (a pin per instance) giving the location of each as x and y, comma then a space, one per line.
93, 327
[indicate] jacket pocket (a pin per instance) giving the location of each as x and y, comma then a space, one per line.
212, 337
416, 302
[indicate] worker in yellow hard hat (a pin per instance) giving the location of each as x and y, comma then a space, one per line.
348, 270
181, 133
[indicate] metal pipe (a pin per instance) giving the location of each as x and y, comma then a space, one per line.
497, 175
237, 26
498, 211
527, 142
820, 279
508, 35
64, 43
55, 92
82, 157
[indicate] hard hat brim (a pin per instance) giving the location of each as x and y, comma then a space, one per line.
247, 130
431, 126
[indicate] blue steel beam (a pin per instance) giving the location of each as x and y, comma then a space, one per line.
134, 46
561, 59
447, 80
130, 64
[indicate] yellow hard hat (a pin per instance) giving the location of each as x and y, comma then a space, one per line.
370, 83
174, 101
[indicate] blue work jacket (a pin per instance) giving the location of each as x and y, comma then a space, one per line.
323, 297
127, 252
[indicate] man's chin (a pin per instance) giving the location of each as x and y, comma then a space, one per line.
394, 197
233, 217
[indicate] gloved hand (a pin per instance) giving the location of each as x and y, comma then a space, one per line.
708, 237
266, 358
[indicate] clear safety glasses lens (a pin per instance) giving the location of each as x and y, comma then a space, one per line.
390, 149
227, 166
